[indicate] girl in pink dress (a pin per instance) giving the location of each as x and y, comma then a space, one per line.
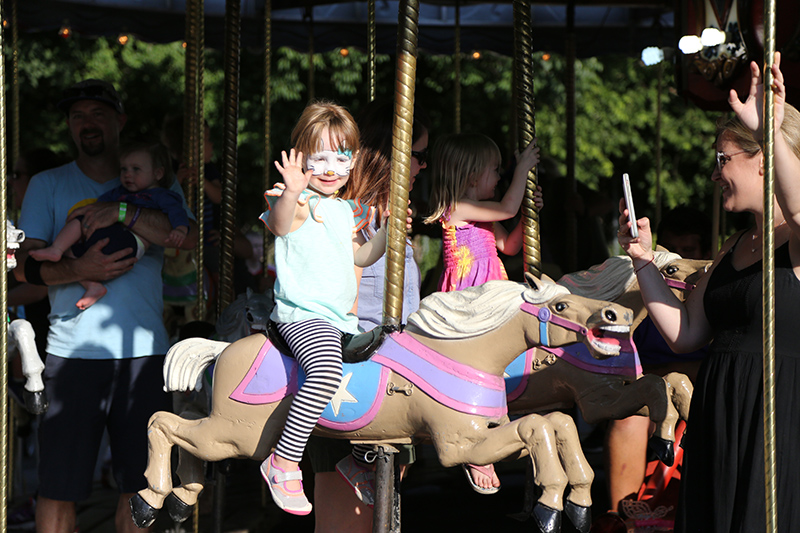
465, 173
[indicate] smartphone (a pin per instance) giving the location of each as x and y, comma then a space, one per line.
626, 187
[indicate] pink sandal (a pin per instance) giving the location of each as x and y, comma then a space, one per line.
291, 501
487, 470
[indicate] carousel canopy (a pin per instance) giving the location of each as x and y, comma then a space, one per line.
624, 27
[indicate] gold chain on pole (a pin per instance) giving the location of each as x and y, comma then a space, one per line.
523, 77
268, 239
457, 74
768, 273
229, 150
4, 478
407, 31
372, 47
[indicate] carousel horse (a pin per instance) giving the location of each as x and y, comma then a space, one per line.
545, 379
247, 314
440, 379
21, 338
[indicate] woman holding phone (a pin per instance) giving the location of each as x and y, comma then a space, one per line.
722, 487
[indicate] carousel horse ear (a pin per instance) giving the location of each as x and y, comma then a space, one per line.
547, 279
660, 248
533, 283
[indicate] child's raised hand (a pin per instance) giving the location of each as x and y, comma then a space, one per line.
292, 171
538, 198
529, 157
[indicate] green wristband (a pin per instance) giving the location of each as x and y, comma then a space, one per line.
123, 210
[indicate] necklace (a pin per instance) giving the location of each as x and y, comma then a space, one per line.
753, 246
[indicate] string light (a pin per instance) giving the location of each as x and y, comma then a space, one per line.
545, 57
183, 44
123, 39
65, 32
476, 55
344, 52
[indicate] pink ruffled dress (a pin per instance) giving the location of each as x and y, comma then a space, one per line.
470, 255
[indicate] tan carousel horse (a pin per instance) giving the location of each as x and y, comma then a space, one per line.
456, 394
550, 379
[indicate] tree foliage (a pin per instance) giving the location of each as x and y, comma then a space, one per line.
616, 120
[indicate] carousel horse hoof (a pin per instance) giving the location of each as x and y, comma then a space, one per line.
143, 513
579, 516
548, 520
662, 449
178, 511
35, 402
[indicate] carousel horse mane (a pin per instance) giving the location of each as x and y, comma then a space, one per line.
611, 278
477, 310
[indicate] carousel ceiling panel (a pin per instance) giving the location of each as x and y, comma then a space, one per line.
625, 27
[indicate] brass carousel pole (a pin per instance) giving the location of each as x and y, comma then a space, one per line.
4, 462
12, 423
198, 124
405, 82
457, 62
229, 150
310, 13
768, 281
190, 97
571, 221
268, 240
372, 48
523, 81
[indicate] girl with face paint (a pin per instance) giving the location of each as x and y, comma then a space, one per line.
317, 243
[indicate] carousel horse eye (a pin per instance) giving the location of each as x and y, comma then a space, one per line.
610, 315
671, 269
560, 306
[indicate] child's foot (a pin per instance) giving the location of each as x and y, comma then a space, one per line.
46, 254
360, 477
281, 482
94, 291
482, 479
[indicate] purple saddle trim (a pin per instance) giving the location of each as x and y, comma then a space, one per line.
265, 382
453, 384
626, 364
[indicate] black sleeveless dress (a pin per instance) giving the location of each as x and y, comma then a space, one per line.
722, 486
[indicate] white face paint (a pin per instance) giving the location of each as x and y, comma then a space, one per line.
329, 163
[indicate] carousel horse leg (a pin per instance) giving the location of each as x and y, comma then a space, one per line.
681, 389
22, 336
578, 505
386, 512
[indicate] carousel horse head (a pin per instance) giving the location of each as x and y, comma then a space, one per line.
14, 236
247, 314
551, 315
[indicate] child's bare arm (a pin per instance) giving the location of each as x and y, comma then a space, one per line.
510, 243
488, 211
282, 214
177, 235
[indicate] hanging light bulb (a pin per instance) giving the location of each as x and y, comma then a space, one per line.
344, 52
183, 44
652, 55
690, 44
712, 37
476, 55
65, 32
123, 39
545, 57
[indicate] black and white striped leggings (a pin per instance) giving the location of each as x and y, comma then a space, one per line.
317, 346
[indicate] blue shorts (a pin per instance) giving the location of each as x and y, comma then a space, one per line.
119, 237
88, 396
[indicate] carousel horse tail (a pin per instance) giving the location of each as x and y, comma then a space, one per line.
186, 360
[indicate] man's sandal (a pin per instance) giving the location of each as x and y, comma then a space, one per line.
291, 501
487, 470
359, 477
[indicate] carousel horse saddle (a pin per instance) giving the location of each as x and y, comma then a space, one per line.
355, 348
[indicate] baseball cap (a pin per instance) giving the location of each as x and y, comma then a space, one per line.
91, 89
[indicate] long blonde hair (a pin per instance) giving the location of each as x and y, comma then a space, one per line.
735, 131
457, 160
321, 114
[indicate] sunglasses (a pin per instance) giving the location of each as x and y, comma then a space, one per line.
422, 157
723, 158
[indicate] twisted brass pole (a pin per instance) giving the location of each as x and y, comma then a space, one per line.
4, 461
268, 239
229, 150
372, 48
310, 53
190, 98
198, 123
457, 62
523, 80
406, 72
570, 221
768, 274
15, 148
